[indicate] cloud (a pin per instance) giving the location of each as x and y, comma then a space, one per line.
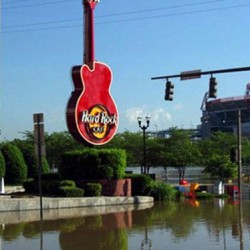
160, 115
133, 113
157, 116
178, 106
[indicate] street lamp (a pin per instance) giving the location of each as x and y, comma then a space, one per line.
146, 241
144, 127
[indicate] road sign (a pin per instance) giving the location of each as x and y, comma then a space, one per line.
192, 74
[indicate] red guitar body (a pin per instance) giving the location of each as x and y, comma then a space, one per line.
92, 115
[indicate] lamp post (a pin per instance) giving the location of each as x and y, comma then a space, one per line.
146, 241
144, 128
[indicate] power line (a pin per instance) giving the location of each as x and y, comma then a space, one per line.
132, 12
112, 15
18, 1
31, 5
177, 14
163, 8
41, 23
115, 21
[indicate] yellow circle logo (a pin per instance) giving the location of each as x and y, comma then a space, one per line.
98, 127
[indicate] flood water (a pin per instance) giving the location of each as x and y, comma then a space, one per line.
206, 225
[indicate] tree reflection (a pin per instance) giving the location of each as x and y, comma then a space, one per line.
110, 231
98, 232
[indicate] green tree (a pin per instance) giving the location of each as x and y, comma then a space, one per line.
221, 166
155, 150
28, 150
16, 168
2, 166
181, 152
131, 143
245, 151
215, 155
57, 144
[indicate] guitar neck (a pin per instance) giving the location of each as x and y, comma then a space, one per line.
89, 45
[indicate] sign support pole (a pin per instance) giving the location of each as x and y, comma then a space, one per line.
39, 147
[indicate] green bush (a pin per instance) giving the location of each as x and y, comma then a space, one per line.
70, 192
162, 191
93, 190
50, 184
29, 186
50, 176
115, 159
200, 195
140, 184
16, 168
30, 158
77, 164
67, 183
92, 164
50, 187
2, 166
45, 166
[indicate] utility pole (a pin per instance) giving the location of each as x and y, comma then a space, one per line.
239, 151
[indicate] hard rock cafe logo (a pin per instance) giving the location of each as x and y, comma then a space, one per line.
98, 121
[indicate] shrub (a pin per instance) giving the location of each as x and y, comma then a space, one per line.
50, 176
29, 186
31, 159
93, 164
70, 192
93, 189
67, 183
2, 166
115, 159
200, 195
79, 164
16, 168
222, 196
45, 166
50, 187
162, 191
140, 184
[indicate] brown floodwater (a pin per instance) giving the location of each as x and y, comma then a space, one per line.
203, 225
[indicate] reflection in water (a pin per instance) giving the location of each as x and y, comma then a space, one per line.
146, 241
241, 224
187, 225
41, 233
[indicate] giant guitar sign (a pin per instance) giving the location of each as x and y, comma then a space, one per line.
92, 114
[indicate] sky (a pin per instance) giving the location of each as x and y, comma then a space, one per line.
42, 39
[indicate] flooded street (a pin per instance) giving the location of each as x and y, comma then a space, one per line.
206, 225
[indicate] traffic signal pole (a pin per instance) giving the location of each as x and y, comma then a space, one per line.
197, 73
188, 75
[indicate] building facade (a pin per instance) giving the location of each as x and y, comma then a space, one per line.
223, 114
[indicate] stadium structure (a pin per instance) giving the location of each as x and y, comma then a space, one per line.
219, 115
222, 114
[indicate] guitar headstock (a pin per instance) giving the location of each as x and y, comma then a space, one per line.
91, 3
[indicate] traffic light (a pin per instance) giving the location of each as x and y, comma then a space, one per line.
169, 91
234, 154
212, 87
